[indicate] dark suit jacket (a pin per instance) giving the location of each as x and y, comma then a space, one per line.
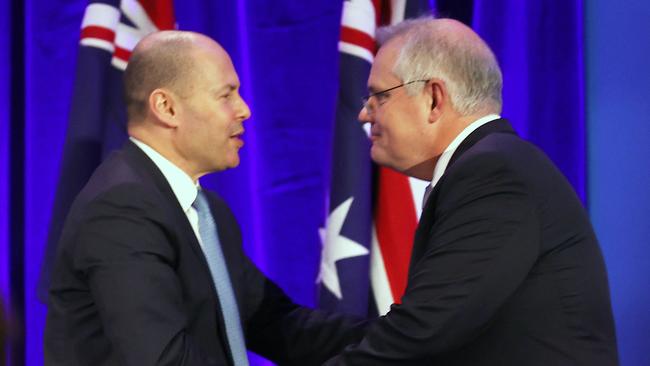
131, 285
505, 270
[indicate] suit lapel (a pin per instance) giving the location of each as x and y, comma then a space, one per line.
151, 172
428, 211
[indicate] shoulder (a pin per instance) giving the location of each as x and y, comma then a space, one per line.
498, 155
494, 167
491, 156
125, 203
117, 205
125, 183
123, 222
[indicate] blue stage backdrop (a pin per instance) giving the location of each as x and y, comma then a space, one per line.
540, 49
287, 57
618, 116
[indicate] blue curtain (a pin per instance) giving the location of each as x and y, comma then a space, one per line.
540, 48
618, 55
286, 56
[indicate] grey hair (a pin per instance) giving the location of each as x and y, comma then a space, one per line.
453, 53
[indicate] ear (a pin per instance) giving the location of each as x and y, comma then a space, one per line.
163, 105
439, 99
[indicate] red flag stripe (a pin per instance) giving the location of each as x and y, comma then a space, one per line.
161, 13
358, 38
122, 54
395, 220
102, 33
381, 6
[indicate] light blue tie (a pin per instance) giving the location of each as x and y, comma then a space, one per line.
216, 262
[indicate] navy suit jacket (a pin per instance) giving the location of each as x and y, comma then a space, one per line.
131, 286
505, 269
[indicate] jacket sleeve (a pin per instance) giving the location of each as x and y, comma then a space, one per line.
290, 334
275, 326
482, 244
126, 255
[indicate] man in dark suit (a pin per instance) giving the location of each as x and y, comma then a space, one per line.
150, 268
506, 269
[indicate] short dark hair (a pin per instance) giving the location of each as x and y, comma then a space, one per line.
156, 62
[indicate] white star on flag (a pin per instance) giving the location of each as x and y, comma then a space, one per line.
336, 247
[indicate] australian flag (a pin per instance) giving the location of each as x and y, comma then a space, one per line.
372, 215
97, 123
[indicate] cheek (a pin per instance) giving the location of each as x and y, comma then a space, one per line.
392, 130
215, 124
401, 136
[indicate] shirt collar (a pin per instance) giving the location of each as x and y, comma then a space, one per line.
184, 188
443, 161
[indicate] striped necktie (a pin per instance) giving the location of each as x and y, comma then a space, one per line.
214, 255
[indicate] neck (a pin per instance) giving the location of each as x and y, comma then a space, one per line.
423, 170
457, 125
166, 149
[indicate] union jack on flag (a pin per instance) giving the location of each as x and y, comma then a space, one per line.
97, 122
373, 210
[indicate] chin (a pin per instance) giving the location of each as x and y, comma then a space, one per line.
225, 164
234, 162
385, 161
379, 156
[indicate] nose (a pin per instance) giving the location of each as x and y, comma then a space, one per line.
244, 111
364, 116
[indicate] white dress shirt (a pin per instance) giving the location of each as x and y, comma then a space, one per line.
184, 188
443, 161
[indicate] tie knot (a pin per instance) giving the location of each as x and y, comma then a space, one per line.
201, 202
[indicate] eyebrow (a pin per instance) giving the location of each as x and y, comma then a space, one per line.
373, 89
227, 87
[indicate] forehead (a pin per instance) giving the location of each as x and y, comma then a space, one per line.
381, 72
215, 66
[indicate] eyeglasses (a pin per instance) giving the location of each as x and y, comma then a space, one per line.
382, 96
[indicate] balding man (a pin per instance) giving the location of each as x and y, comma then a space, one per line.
150, 269
505, 269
